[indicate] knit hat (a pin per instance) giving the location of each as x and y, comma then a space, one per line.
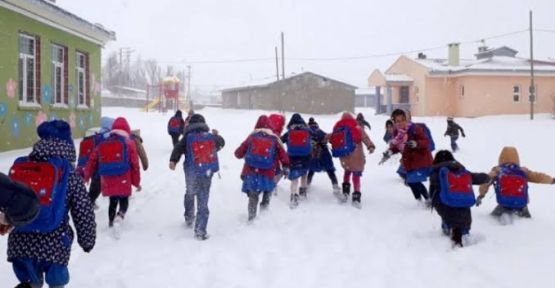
197, 119
450, 119
263, 123
178, 114
443, 156
55, 129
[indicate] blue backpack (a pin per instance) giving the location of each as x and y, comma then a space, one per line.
456, 188
342, 143
261, 152
49, 181
174, 126
511, 187
113, 156
202, 153
299, 142
431, 143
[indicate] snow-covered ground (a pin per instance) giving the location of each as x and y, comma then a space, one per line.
390, 242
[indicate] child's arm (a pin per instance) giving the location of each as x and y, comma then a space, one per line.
241, 151
462, 131
368, 142
485, 187
537, 177
82, 213
480, 178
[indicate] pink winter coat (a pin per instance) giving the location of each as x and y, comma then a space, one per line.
355, 161
118, 185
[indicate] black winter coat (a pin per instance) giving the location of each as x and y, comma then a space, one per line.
453, 129
459, 218
19, 203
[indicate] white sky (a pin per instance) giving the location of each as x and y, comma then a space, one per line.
200, 30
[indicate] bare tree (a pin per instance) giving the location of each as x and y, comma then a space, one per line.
153, 71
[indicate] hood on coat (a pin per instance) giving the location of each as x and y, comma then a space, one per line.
277, 121
178, 114
106, 124
263, 123
509, 155
347, 115
121, 124
296, 121
46, 149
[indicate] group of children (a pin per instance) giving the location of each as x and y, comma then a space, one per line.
450, 184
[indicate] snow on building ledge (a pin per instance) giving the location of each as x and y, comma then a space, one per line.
51, 14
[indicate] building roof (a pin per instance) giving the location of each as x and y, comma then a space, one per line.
377, 78
267, 85
54, 16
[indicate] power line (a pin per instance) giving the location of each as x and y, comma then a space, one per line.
544, 30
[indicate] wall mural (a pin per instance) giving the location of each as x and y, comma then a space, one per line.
54, 116
3, 112
15, 127
28, 119
46, 94
41, 117
72, 120
11, 87
81, 123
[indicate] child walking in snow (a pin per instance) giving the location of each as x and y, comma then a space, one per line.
347, 140
263, 153
321, 159
176, 126
389, 130
200, 148
511, 184
299, 147
40, 251
453, 133
452, 195
117, 162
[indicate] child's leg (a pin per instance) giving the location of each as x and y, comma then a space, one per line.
310, 175
112, 209
347, 177
356, 182
419, 190
253, 204
189, 200
265, 200
27, 271
94, 189
202, 195
295, 186
304, 181
332, 176
57, 275
123, 206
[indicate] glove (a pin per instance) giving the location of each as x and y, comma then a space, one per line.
553, 181
87, 249
285, 171
385, 156
479, 200
412, 144
371, 149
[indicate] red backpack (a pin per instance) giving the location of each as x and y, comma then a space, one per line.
86, 147
174, 127
299, 142
113, 156
261, 152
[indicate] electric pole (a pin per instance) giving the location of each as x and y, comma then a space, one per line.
532, 84
190, 102
282, 56
277, 64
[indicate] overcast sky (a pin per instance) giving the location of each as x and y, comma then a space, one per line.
185, 31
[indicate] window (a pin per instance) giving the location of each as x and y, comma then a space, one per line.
516, 93
461, 95
28, 70
59, 78
82, 76
535, 100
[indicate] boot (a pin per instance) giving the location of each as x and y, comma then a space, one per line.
456, 237
336, 189
294, 201
346, 191
524, 213
356, 199
265, 201
302, 193
253, 205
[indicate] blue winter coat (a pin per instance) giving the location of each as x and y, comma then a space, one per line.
321, 157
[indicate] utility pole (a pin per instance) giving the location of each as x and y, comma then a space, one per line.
189, 87
282, 56
277, 64
532, 84
124, 78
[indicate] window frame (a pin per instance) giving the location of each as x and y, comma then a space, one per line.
519, 93
23, 59
81, 70
56, 64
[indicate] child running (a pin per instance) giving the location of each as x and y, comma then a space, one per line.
321, 159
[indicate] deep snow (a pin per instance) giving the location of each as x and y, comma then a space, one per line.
390, 242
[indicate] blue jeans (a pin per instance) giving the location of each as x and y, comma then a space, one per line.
198, 186
36, 272
454, 146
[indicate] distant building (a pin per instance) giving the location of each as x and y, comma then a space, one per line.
304, 93
50, 68
365, 97
495, 82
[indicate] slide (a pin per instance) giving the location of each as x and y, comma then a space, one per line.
152, 104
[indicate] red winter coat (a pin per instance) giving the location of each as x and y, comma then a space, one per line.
419, 157
277, 121
118, 185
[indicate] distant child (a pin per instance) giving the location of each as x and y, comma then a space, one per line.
263, 152
40, 251
389, 130
299, 148
347, 140
136, 137
511, 184
117, 162
200, 148
176, 126
321, 159
277, 122
452, 195
453, 132
86, 148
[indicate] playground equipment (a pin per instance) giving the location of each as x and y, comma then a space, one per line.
165, 96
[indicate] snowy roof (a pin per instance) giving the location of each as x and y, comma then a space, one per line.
266, 84
494, 64
52, 15
397, 78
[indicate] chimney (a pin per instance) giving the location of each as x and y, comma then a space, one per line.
482, 49
454, 54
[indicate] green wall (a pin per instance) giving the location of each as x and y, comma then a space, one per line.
18, 124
